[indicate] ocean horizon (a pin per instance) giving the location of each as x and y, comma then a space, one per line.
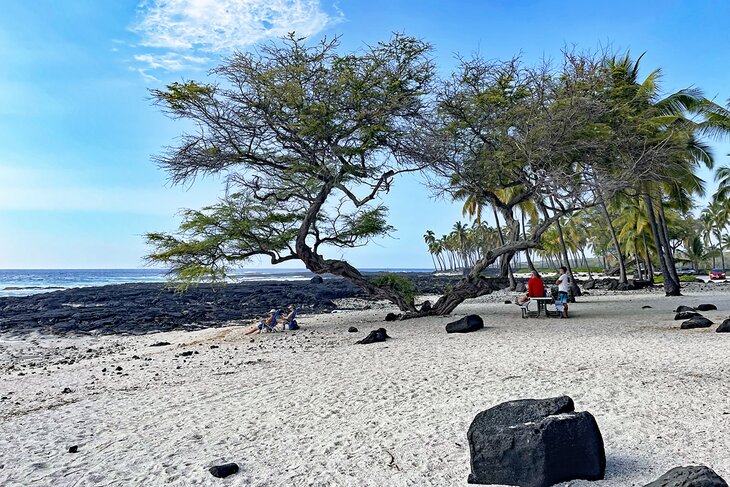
25, 282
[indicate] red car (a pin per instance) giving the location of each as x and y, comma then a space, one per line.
717, 274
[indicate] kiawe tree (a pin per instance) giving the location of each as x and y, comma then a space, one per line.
307, 140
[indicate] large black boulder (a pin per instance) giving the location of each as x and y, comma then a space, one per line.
316, 280
724, 327
391, 317
535, 443
695, 476
684, 308
466, 324
686, 315
696, 322
706, 307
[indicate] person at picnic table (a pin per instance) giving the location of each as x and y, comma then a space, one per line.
563, 283
267, 322
535, 288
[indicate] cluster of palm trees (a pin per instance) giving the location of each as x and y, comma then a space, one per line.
650, 226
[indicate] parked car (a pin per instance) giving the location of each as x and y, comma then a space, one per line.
685, 271
717, 274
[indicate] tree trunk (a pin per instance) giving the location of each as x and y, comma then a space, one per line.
590, 274
573, 286
649, 266
671, 287
667, 248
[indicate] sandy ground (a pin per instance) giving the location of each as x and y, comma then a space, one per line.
310, 408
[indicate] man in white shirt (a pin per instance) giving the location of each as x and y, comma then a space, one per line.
563, 283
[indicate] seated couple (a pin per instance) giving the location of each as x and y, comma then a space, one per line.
536, 289
270, 323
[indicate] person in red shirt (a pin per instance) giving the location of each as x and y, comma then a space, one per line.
535, 289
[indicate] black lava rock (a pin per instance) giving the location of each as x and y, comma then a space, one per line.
696, 322
535, 443
724, 327
391, 317
352, 329
706, 307
73, 449
186, 354
589, 284
695, 476
646, 307
686, 315
684, 308
223, 471
66, 390
426, 306
159, 344
374, 336
507, 301
467, 324
316, 280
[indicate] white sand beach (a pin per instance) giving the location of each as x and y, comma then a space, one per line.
311, 408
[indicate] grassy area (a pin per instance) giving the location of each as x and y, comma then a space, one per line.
660, 279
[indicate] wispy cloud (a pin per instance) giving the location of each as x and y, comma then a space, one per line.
171, 61
223, 25
186, 29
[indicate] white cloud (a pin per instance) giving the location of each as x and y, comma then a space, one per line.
170, 61
225, 25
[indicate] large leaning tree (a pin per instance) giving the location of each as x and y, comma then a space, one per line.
307, 139
506, 134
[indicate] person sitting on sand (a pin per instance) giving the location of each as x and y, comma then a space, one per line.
267, 322
535, 289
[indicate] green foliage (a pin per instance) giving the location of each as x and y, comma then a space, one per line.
396, 282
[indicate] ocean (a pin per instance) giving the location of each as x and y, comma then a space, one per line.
24, 282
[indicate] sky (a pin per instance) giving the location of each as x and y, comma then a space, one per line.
78, 188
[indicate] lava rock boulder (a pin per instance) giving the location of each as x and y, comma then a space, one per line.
683, 308
696, 322
535, 443
686, 315
695, 476
706, 307
223, 471
724, 327
467, 324
374, 336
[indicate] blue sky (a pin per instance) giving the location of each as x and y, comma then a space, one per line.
77, 129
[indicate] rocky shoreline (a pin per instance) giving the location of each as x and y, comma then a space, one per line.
140, 308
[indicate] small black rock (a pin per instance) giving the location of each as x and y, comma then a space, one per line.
706, 307
352, 329
119, 368
186, 354
695, 476
316, 280
683, 308
646, 307
159, 344
374, 336
507, 301
73, 449
391, 317
696, 322
223, 471
686, 315
466, 324
66, 390
214, 346
724, 327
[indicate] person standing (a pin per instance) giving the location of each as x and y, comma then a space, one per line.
563, 283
